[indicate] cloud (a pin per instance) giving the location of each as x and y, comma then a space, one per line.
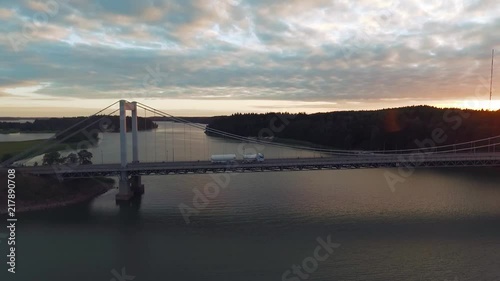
301, 51
6, 14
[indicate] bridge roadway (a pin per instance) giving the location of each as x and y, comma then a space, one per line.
288, 164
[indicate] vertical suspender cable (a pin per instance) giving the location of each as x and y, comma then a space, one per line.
166, 149
154, 115
189, 132
145, 135
184, 142
208, 146
173, 144
207, 149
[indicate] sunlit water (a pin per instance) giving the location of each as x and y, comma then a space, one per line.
441, 224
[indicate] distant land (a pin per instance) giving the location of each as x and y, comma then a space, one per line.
23, 118
59, 124
200, 120
395, 128
384, 129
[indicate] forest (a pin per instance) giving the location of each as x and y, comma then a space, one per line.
395, 128
91, 126
200, 120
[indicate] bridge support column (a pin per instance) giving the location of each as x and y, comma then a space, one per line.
135, 146
128, 188
123, 133
124, 190
136, 185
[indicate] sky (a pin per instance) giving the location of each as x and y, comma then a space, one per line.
212, 57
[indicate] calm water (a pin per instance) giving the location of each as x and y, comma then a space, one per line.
24, 137
438, 225
170, 142
17, 120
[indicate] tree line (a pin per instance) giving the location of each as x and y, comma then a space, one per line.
83, 157
101, 123
396, 128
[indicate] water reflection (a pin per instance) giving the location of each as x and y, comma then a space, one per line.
438, 224
130, 211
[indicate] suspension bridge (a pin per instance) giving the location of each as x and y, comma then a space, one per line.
478, 153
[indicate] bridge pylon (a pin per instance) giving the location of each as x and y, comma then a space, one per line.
128, 187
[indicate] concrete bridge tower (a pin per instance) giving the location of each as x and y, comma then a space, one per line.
128, 187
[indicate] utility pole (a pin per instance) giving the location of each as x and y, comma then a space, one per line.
491, 79
491, 93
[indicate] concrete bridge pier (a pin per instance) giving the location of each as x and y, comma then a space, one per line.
129, 188
136, 185
133, 186
124, 191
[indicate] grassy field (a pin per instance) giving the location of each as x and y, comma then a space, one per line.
11, 148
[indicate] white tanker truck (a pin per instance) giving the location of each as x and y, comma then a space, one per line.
223, 158
231, 158
250, 158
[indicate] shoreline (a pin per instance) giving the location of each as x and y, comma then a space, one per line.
68, 194
55, 205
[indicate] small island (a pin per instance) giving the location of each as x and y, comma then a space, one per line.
46, 192
41, 193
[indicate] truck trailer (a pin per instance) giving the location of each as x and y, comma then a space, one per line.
223, 158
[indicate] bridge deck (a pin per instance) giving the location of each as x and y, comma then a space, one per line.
290, 164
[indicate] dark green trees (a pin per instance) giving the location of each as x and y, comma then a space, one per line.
83, 157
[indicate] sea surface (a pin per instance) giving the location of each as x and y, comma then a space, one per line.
24, 136
439, 224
